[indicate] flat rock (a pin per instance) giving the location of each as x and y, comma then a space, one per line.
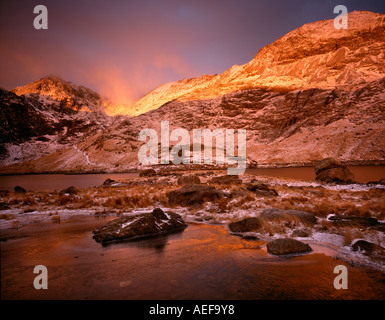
227, 179
245, 225
353, 221
275, 214
186, 180
287, 246
193, 194
139, 226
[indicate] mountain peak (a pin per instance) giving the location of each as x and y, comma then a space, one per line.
54, 88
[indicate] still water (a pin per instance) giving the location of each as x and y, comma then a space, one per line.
43, 182
202, 262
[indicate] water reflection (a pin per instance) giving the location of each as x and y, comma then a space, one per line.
157, 243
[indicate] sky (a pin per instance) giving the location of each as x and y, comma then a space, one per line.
125, 49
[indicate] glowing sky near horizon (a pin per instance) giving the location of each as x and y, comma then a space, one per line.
125, 49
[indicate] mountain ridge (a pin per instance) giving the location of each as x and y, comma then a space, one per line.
258, 74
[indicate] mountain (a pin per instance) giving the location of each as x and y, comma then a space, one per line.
53, 89
315, 55
46, 116
316, 92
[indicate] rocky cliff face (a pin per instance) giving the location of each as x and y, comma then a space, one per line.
317, 92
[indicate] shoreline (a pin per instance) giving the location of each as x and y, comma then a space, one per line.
199, 167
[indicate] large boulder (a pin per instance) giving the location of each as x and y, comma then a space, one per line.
287, 246
139, 226
192, 194
186, 180
70, 190
245, 225
274, 214
330, 170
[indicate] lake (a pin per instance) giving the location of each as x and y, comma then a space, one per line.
43, 182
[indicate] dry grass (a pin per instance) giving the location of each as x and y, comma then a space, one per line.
350, 234
5, 216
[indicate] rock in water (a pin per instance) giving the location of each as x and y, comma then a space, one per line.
330, 170
108, 182
139, 226
287, 246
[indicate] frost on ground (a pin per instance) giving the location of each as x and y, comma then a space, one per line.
139, 195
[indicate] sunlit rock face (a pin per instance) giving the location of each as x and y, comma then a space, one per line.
315, 55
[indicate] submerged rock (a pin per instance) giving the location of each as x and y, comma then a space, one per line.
245, 225
192, 194
274, 214
330, 170
287, 246
139, 226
